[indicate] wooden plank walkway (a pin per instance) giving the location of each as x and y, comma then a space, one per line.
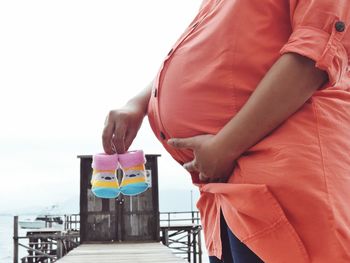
121, 252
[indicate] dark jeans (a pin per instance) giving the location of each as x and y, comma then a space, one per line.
233, 250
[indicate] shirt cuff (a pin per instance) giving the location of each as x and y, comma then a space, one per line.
325, 49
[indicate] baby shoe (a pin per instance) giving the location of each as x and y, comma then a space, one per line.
104, 177
134, 174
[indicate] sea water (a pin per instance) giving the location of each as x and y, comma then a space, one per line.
6, 240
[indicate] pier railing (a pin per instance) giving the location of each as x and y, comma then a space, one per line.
47, 244
181, 231
189, 217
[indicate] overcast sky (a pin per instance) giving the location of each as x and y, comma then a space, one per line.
63, 65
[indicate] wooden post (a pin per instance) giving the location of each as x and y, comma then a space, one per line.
32, 244
163, 237
59, 246
189, 245
153, 160
76, 222
194, 240
15, 239
200, 246
166, 237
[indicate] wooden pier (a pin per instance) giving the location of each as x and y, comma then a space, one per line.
181, 231
46, 245
124, 229
180, 234
120, 253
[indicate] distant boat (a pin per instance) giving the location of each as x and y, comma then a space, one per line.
48, 221
49, 218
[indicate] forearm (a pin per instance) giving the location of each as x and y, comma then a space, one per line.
285, 88
140, 101
122, 124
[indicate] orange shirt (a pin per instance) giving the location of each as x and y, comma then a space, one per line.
288, 198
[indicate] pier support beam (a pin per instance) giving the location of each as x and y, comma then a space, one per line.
15, 239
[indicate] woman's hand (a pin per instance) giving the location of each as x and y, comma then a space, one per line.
121, 127
210, 159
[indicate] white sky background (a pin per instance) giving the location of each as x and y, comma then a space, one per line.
63, 65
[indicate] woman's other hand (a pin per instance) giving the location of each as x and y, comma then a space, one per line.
210, 160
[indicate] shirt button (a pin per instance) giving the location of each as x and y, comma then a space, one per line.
162, 135
155, 93
195, 25
171, 51
340, 26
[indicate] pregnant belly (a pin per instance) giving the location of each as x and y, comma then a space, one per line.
195, 101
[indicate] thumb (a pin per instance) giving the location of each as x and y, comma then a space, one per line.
188, 143
191, 166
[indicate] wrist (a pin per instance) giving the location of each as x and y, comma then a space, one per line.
139, 103
227, 146
137, 106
